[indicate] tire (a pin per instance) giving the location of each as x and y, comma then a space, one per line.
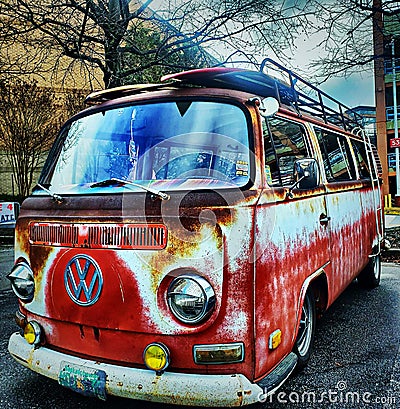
305, 335
370, 277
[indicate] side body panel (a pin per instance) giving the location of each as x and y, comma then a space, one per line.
353, 232
330, 231
291, 245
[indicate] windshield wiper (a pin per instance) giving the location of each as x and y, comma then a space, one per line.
115, 181
57, 198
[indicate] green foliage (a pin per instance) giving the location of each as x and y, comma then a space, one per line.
152, 55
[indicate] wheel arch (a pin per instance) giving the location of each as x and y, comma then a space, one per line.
312, 302
318, 284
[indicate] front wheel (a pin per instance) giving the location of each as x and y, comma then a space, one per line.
306, 332
370, 277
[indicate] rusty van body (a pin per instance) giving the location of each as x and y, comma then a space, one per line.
184, 237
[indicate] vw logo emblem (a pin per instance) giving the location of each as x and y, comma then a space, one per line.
83, 280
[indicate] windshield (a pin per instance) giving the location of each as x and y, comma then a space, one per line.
177, 142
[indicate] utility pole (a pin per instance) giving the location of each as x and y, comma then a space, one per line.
396, 127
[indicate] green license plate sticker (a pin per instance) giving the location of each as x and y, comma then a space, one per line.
84, 380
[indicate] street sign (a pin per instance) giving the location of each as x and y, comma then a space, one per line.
395, 143
8, 213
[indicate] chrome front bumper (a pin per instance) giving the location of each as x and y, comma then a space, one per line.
174, 388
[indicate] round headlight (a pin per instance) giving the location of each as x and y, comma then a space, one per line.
22, 281
190, 298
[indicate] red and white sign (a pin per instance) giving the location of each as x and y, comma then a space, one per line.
395, 143
7, 212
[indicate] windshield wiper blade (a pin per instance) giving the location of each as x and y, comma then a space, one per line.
57, 198
115, 181
106, 183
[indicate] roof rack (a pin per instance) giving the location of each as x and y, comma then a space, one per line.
321, 105
238, 79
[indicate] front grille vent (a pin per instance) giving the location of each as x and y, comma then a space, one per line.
97, 236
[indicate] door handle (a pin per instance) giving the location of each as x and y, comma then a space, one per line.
324, 219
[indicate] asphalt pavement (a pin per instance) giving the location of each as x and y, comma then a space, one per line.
6, 263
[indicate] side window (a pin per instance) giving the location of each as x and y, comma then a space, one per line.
336, 155
361, 158
283, 143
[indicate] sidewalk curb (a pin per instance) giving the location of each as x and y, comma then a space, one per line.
392, 211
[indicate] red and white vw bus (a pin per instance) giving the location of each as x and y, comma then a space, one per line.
184, 237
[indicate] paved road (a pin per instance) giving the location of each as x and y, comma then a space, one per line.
356, 361
6, 263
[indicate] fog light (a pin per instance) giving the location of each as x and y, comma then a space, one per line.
218, 353
156, 357
32, 333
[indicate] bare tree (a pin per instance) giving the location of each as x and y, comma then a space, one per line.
100, 34
27, 124
347, 31
74, 102
127, 41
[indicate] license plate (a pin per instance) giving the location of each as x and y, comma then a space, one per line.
84, 380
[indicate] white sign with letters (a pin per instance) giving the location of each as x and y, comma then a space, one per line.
7, 212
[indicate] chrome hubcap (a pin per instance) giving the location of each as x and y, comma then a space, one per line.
306, 328
377, 267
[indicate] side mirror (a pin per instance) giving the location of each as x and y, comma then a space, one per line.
268, 107
306, 173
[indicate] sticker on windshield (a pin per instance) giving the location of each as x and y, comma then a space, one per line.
242, 168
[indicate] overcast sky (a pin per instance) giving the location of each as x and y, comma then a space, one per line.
358, 89
353, 91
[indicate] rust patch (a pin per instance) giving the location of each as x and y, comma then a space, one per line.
22, 234
38, 258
